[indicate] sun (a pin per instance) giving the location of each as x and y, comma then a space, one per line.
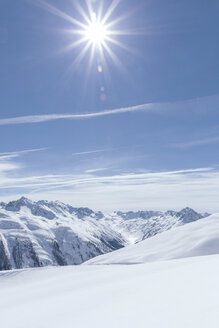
96, 32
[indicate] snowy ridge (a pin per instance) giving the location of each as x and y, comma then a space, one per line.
195, 239
137, 226
34, 234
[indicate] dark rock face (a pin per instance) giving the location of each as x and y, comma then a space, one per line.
23, 252
59, 257
4, 260
187, 215
139, 214
112, 243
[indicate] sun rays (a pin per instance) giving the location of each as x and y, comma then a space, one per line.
93, 32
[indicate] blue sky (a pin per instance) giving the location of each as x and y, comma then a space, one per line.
141, 134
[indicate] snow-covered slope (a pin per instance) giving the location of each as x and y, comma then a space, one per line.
170, 294
195, 239
153, 291
42, 233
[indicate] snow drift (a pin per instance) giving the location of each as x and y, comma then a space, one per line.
170, 294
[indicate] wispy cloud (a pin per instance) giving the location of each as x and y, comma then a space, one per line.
197, 105
147, 190
22, 152
96, 170
7, 166
195, 143
91, 152
6, 160
51, 117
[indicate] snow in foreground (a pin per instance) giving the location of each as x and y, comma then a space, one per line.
169, 294
153, 292
195, 239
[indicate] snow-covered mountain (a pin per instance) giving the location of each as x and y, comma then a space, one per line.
34, 234
195, 239
45, 233
137, 226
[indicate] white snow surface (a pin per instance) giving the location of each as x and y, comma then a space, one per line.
169, 294
195, 239
138, 286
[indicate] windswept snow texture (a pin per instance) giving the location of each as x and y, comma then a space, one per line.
35, 234
171, 294
195, 239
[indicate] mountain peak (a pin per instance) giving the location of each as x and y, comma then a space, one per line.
187, 215
17, 204
187, 210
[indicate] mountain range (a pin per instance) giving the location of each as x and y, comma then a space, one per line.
42, 233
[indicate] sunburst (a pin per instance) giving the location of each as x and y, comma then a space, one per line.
96, 30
